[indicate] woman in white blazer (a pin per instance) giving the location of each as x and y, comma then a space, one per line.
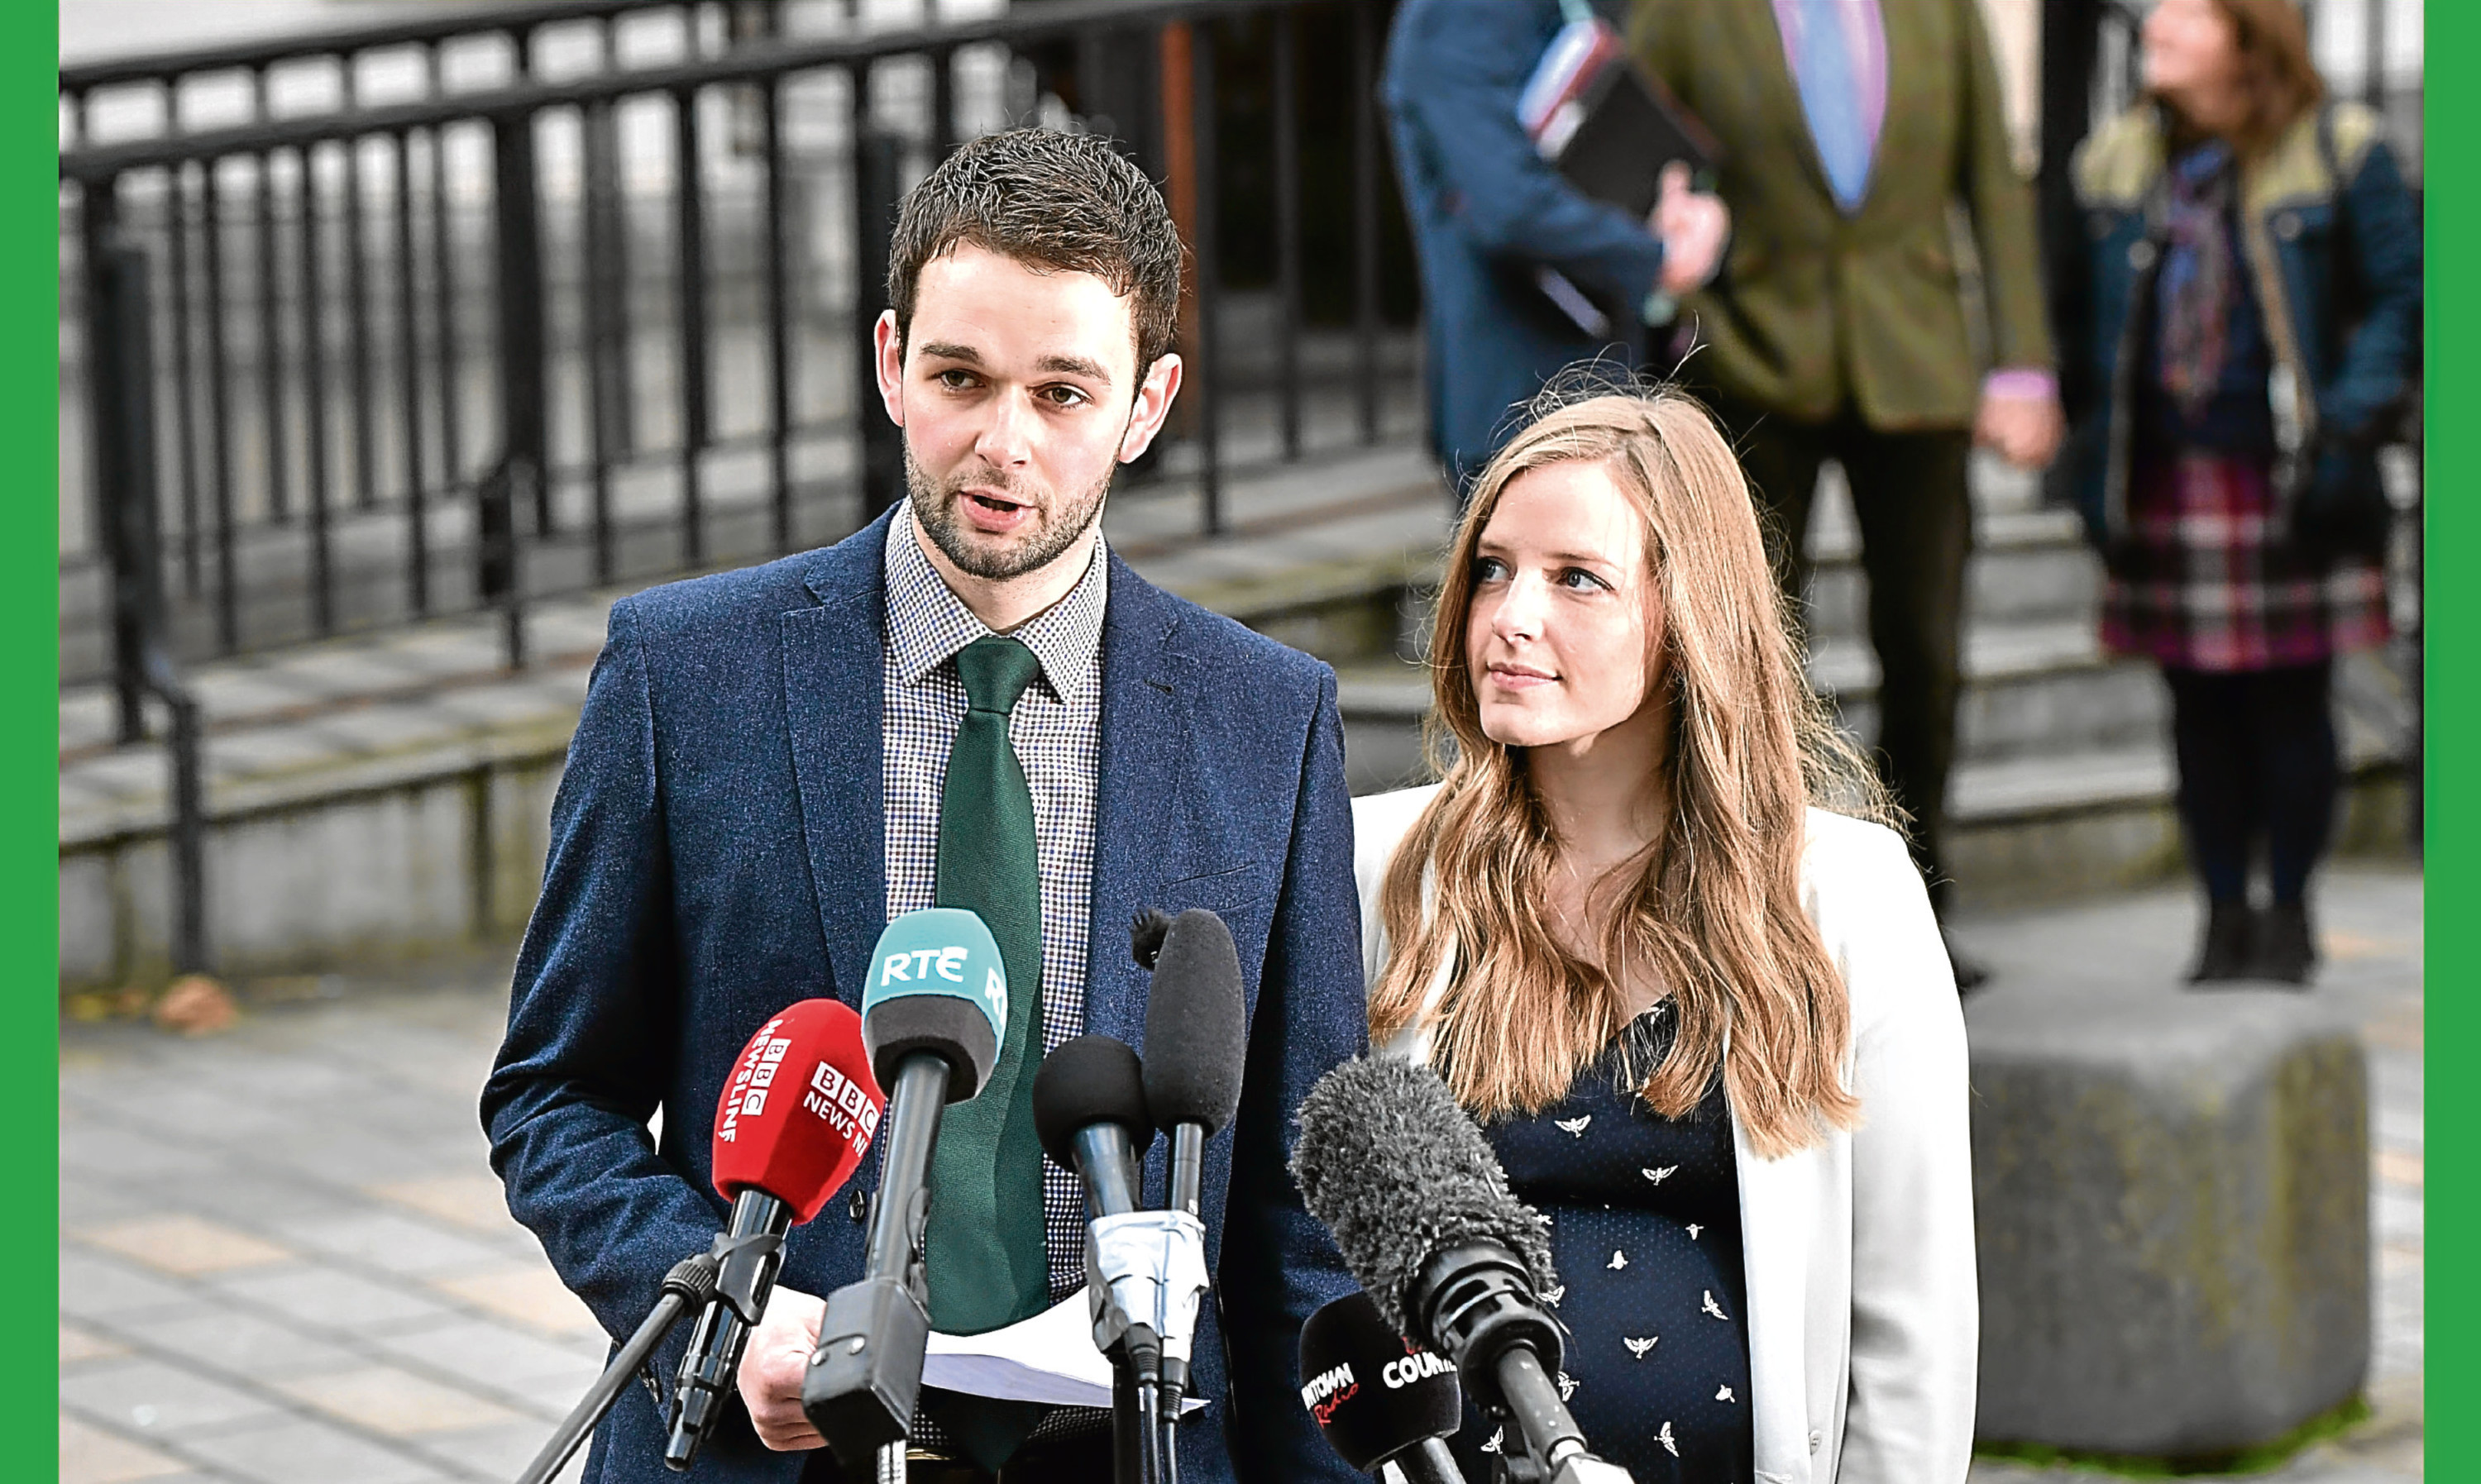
1648, 892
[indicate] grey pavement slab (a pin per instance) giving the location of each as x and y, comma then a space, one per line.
241, 1344
157, 1399
398, 1244
299, 1450
327, 1297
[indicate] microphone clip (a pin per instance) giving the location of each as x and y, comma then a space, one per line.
1146, 1267
745, 1262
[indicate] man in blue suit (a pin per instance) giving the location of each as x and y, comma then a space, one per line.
773, 761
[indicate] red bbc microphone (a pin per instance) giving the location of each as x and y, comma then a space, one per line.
790, 1127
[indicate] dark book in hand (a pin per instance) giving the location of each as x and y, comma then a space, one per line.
1611, 129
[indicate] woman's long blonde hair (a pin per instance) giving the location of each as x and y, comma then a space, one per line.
1715, 910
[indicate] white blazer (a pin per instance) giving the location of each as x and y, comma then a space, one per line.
1863, 1311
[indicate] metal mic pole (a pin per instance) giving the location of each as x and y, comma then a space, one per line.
690, 1282
1125, 1450
1428, 1463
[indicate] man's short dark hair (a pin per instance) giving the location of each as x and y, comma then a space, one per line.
1050, 200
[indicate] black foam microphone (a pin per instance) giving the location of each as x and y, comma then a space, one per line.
1379, 1397
1421, 1213
1196, 1041
1089, 1111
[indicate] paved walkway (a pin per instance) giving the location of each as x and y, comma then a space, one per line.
283, 1258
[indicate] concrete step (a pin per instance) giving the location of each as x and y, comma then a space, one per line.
2029, 689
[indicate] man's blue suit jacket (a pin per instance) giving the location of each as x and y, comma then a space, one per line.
717, 854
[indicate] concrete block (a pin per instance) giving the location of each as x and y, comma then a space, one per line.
2173, 1209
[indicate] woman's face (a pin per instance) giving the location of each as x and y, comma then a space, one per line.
1563, 613
2191, 51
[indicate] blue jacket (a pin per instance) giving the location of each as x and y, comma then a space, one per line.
2332, 246
717, 854
1486, 212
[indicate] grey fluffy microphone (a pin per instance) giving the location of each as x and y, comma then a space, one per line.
1420, 1209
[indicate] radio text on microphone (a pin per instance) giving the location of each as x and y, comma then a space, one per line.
1418, 1366
1329, 1390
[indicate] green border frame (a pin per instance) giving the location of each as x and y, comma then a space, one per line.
28, 604
30, 875
2451, 121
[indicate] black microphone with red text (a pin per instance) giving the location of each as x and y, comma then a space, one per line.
1384, 1402
1420, 1209
796, 1118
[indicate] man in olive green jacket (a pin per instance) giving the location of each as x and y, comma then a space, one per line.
1836, 327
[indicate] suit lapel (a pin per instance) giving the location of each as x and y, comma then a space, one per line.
1145, 740
1905, 34
834, 705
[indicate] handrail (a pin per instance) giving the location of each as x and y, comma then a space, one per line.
448, 24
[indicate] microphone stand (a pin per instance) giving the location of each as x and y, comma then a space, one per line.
866, 1375
689, 1284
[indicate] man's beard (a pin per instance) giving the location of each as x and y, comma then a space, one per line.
1055, 528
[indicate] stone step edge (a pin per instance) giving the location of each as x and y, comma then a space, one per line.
2115, 779
1368, 690
522, 744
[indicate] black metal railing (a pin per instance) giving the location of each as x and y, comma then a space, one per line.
352, 364
465, 350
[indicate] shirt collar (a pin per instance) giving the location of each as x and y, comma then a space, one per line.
928, 623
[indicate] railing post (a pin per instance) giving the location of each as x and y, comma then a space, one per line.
115, 473
1365, 222
120, 327
877, 174
520, 474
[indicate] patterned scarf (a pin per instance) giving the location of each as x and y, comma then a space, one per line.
2194, 293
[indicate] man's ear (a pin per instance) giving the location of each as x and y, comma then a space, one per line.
1153, 404
889, 361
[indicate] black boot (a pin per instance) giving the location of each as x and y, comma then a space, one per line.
2286, 949
2225, 954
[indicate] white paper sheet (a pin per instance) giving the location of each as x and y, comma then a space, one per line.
1050, 1358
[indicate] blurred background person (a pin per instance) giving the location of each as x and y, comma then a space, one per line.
1709, 1027
1486, 212
1837, 328
2252, 259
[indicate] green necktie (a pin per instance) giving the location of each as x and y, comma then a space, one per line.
985, 1251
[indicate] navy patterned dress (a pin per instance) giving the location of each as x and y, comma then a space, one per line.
1645, 1232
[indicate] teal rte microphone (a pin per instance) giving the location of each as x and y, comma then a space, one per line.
932, 1008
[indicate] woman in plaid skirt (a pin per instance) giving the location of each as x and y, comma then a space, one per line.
2237, 337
